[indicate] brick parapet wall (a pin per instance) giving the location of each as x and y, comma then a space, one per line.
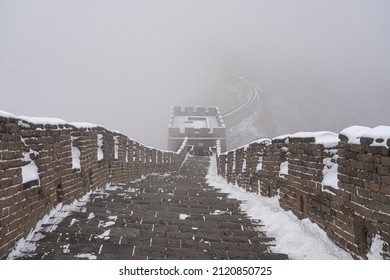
351, 212
50, 148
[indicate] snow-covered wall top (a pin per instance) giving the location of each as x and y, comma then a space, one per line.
46, 121
339, 181
326, 138
5, 114
47, 161
379, 134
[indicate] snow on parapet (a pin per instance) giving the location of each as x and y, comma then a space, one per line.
326, 138
83, 125
40, 120
354, 133
5, 114
264, 141
281, 137
380, 134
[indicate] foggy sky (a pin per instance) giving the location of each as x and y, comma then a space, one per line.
122, 64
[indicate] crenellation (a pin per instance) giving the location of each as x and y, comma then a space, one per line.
49, 147
352, 209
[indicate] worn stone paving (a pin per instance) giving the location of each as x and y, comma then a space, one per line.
176, 216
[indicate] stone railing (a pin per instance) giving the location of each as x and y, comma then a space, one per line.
44, 162
340, 182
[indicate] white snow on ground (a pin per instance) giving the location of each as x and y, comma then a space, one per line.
376, 250
91, 216
184, 216
299, 239
86, 256
26, 246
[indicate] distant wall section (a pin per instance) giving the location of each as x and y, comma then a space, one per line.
44, 162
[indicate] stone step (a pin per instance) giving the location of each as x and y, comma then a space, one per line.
175, 217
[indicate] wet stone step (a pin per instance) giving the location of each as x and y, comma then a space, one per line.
160, 217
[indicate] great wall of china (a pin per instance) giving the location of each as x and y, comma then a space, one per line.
44, 162
340, 182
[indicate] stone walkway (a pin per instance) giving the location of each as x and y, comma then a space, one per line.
175, 216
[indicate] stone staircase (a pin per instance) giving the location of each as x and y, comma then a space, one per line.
171, 216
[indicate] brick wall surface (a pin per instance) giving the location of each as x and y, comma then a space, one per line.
351, 213
50, 148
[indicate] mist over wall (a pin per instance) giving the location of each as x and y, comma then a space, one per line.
323, 65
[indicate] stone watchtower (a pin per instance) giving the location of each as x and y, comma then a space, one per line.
203, 127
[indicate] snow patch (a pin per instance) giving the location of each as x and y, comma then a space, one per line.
23, 124
300, 239
326, 138
91, 216
5, 114
29, 171
76, 164
353, 133
184, 216
243, 165
282, 137
219, 212
283, 169
43, 121
376, 250
259, 165
380, 134
83, 125
86, 256
105, 235
100, 154
26, 246
116, 146
330, 173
